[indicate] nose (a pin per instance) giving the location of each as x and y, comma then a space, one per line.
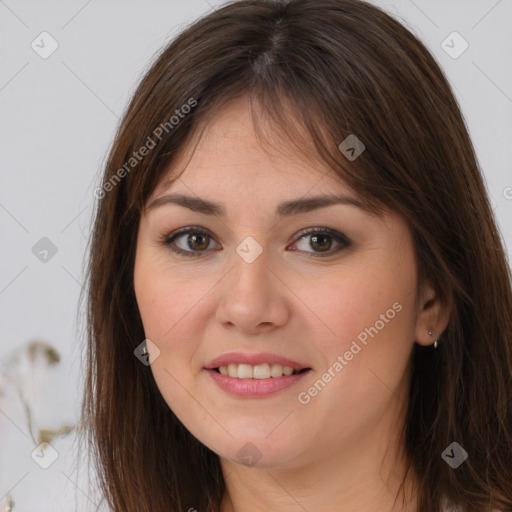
253, 297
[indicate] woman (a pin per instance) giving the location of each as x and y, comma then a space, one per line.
298, 296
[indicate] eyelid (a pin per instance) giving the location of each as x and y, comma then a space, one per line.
340, 238
336, 235
169, 239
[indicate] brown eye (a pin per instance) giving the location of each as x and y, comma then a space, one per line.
321, 242
189, 242
198, 241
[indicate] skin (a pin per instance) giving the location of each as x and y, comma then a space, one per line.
341, 450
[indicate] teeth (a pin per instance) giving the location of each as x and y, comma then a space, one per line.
233, 370
276, 370
287, 370
260, 371
244, 371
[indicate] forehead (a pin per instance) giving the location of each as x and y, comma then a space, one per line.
229, 157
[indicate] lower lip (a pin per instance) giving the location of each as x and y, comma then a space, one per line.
255, 388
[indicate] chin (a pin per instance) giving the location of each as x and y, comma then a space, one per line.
256, 450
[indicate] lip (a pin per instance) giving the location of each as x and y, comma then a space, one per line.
254, 388
254, 360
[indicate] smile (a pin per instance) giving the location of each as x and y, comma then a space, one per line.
255, 375
255, 387
260, 371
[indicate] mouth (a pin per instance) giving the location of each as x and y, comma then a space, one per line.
263, 365
245, 381
255, 375
260, 371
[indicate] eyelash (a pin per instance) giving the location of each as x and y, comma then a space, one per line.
338, 237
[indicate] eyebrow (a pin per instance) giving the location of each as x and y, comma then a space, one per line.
285, 209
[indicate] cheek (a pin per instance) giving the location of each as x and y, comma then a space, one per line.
172, 305
368, 319
164, 304
164, 295
366, 355
349, 304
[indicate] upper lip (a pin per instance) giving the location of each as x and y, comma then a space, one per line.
253, 360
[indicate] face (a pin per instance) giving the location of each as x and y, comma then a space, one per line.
268, 281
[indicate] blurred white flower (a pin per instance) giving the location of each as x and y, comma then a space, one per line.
37, 376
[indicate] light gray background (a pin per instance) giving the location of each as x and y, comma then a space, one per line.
57, 119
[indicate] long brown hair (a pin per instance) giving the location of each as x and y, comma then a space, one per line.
335, 68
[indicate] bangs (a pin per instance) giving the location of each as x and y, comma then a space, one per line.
284, 123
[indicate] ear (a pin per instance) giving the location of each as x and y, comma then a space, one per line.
433, 315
